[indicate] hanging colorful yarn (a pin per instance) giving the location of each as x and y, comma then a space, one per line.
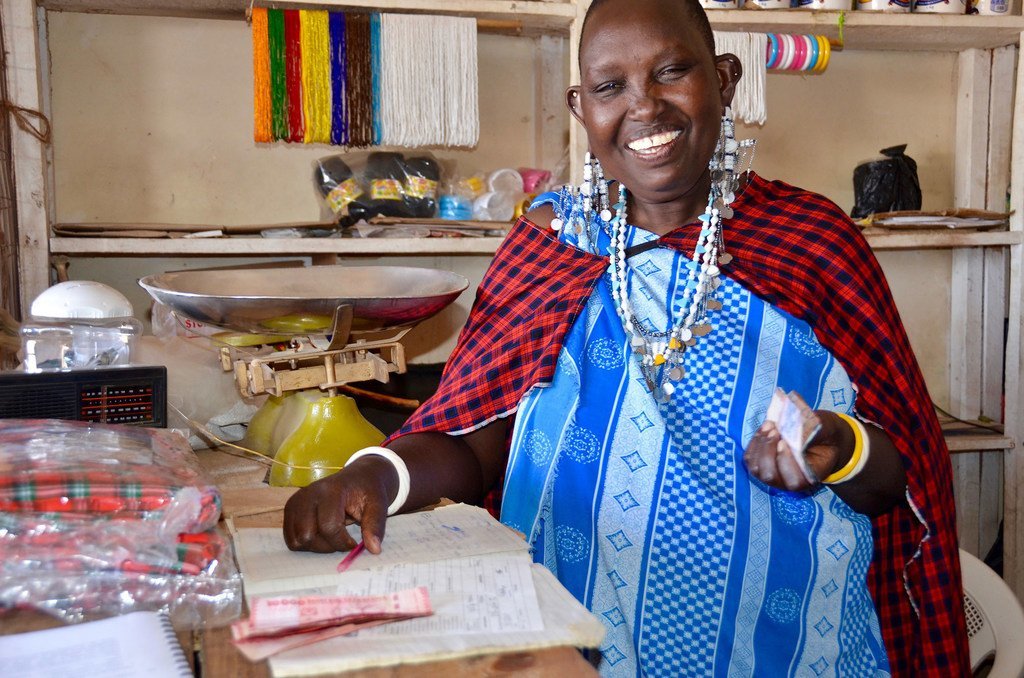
293, 70
361, 79
278, 76
262, 116
316, 76
359, 93
339, 114
375, 65
428, 81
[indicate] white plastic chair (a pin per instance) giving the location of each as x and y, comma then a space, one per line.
995, 620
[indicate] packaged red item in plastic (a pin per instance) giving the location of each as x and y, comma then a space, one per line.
98, 520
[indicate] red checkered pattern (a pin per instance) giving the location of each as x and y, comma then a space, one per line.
799, 252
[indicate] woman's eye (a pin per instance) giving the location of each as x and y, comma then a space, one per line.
673, 72
607, 88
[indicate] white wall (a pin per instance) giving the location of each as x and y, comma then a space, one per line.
153, 123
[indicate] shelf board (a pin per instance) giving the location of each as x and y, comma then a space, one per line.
879, 30
945, 239
533, 15
254, 246
861, 30
968, 436
241, 245
979, 443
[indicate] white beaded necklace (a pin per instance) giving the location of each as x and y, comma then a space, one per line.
661, 353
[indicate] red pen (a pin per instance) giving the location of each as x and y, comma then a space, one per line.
346, 562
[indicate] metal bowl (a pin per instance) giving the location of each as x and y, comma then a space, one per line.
303, 300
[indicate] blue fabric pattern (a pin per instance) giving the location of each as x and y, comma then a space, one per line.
646, 513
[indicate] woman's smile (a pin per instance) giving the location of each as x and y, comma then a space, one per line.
654, 145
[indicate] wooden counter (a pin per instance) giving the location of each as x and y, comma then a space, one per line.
249, 502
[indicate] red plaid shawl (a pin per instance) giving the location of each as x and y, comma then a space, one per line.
799, 252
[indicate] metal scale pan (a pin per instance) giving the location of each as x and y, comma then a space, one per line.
294, 301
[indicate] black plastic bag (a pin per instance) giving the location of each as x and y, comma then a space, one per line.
363, 185
886, 185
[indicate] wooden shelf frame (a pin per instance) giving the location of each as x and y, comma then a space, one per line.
241, 245
256, 246
992, 442
861, 29
865, 30
533, 16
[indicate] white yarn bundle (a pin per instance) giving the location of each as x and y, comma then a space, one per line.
428, 93
749, 103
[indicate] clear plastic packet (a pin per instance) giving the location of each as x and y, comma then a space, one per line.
77, 590
97, 520
100, 472
363, 185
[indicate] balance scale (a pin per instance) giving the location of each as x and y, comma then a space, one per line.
298, 335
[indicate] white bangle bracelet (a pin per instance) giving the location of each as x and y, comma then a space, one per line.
400, 468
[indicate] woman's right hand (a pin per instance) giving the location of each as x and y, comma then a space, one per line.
315, 517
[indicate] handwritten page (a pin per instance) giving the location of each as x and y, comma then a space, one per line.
565, 623
477, 594
453, 531
486, 593
136, 644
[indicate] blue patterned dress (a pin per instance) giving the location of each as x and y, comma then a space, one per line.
646, 512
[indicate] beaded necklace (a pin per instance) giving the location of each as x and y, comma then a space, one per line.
660, 354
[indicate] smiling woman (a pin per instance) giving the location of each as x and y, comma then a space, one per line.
617, 371
651, 98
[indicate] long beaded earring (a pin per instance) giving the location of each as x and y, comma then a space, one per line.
723, 176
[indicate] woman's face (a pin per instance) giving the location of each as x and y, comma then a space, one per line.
651, 97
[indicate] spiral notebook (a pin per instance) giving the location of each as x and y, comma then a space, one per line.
136, 644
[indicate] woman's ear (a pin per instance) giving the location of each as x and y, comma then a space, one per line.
572, 100
729, 73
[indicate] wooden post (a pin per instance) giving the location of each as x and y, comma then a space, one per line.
577, 135
967, 282
549, 77
1013, 467
990, 507
21, 32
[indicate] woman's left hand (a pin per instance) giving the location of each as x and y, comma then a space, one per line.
769, 458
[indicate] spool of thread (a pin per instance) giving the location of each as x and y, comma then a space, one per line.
992, 7
770, 4
884, 5
494, 206
719, 4
843, 5
939, 6
455, 207
505, 180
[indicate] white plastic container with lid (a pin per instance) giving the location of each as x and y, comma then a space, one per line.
78, 324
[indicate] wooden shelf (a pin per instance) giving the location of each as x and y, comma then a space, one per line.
945, 239
962, 436
241, 246
533, 15
880, 30
979, 443
861, 30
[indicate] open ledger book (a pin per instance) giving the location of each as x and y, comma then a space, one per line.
487, 594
